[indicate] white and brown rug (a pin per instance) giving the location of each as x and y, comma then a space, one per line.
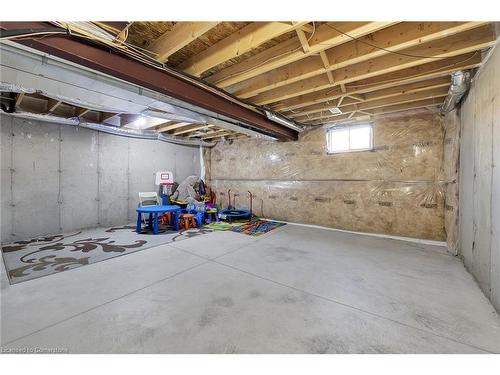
25, 260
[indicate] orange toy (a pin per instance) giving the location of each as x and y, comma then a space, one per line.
165, 219
187, 221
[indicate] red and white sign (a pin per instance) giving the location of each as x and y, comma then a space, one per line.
164, 178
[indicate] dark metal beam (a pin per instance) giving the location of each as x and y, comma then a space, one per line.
114, 63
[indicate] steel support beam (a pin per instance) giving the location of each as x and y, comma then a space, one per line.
103, 59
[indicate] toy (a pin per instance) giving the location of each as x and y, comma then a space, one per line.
187, 221
186, 189
165, 181
231, 214
195, 208
211, 213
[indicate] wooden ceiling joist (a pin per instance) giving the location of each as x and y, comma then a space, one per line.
326, 64
52, 104
180, 36
237, 44
303, 40
19, 98
155, 126
209, 133
456, 45
394, 38
104, 116
435, 69
308, 28
218, 134
427, 103
170, 127
400, 99
125, 119
308, 72
79, 112
291, 50
192, 129
121, 65
376, 95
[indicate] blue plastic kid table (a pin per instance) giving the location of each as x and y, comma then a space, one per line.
153, 212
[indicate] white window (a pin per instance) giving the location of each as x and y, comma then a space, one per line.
346, 138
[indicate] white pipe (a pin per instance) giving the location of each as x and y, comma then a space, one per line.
283, 121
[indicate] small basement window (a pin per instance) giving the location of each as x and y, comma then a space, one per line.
349, 138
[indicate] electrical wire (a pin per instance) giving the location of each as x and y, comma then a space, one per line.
416, 75
385, 49
341, 32
19, 34
383, 82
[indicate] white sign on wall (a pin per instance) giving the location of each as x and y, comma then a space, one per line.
164, 178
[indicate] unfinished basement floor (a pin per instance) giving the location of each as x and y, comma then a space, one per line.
293, 290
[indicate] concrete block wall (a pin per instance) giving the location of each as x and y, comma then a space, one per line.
60, 178
479, 228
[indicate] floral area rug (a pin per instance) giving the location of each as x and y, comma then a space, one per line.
26, 260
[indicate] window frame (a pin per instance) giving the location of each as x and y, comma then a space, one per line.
350, 126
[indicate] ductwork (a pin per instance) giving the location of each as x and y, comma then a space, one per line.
9, 87
130, 133
28, 71
146, 75
460, 82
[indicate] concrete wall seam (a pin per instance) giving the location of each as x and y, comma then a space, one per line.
60, 179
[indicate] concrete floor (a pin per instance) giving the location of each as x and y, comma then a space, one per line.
292, 290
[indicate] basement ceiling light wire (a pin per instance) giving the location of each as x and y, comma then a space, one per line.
409, 77
28, 33
341, 32
414, 76
386, 81
398, 53
385, 49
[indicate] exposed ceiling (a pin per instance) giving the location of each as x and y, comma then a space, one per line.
315, 72
37, 103
309, 72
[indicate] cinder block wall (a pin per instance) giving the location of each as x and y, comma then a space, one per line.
479, 231
59, 178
